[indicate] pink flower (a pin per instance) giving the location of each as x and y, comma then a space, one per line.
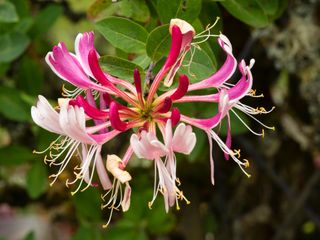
103, 106
148, 146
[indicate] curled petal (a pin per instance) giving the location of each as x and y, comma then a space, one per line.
148, 146
243, 86
91, 111
175, 116
72, 121
224, 73
182, 88
66, 65
113, 162
176, 41
83, 44
45, 116
184, 139
115, 120
166, 105
125, 204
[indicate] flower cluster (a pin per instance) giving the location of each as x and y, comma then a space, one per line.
103, 106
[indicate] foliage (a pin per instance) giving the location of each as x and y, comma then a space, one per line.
133, 34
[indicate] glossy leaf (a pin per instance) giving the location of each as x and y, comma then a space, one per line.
45, 19
197, 67
119, 67
257, 13
15, 155
30, 76
185, 9
136, 10
87, 204
8, 12
13, 106
158, 42
97, 7
143, 61
37, 179
12, 46
124, 34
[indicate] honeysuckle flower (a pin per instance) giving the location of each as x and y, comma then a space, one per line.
113, 165
148, 146
103, 106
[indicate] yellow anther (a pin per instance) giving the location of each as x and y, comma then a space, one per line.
246, 163
237, 152
178, 181
253, 92
177, 206
150, 205
273, 128
262, 133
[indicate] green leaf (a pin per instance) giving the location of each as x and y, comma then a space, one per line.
158, 42
30, 76
13, 106
124, 34
45, 19
30, 236
37, 179
12, 46
119, 67
87, 205
257, 13
8, 12
86, 233
143, 61
24, 25
15, 155
237, 126
184, 9
136, 10
97, 7
197, 67
4, 68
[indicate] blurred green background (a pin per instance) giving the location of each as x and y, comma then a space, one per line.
280, 200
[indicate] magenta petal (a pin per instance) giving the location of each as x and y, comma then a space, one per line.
115, 120
66, 66
182, 88
83, 44
91, 111
204, 124
95, 68
175, 116
165, 105
176, 41
243, 86
137, 80
224, 73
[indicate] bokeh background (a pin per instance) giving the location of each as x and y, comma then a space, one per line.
280, 200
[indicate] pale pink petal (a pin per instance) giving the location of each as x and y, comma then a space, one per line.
102, 173
148, 146
228, 139
45, 116
184, 139
125, 204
